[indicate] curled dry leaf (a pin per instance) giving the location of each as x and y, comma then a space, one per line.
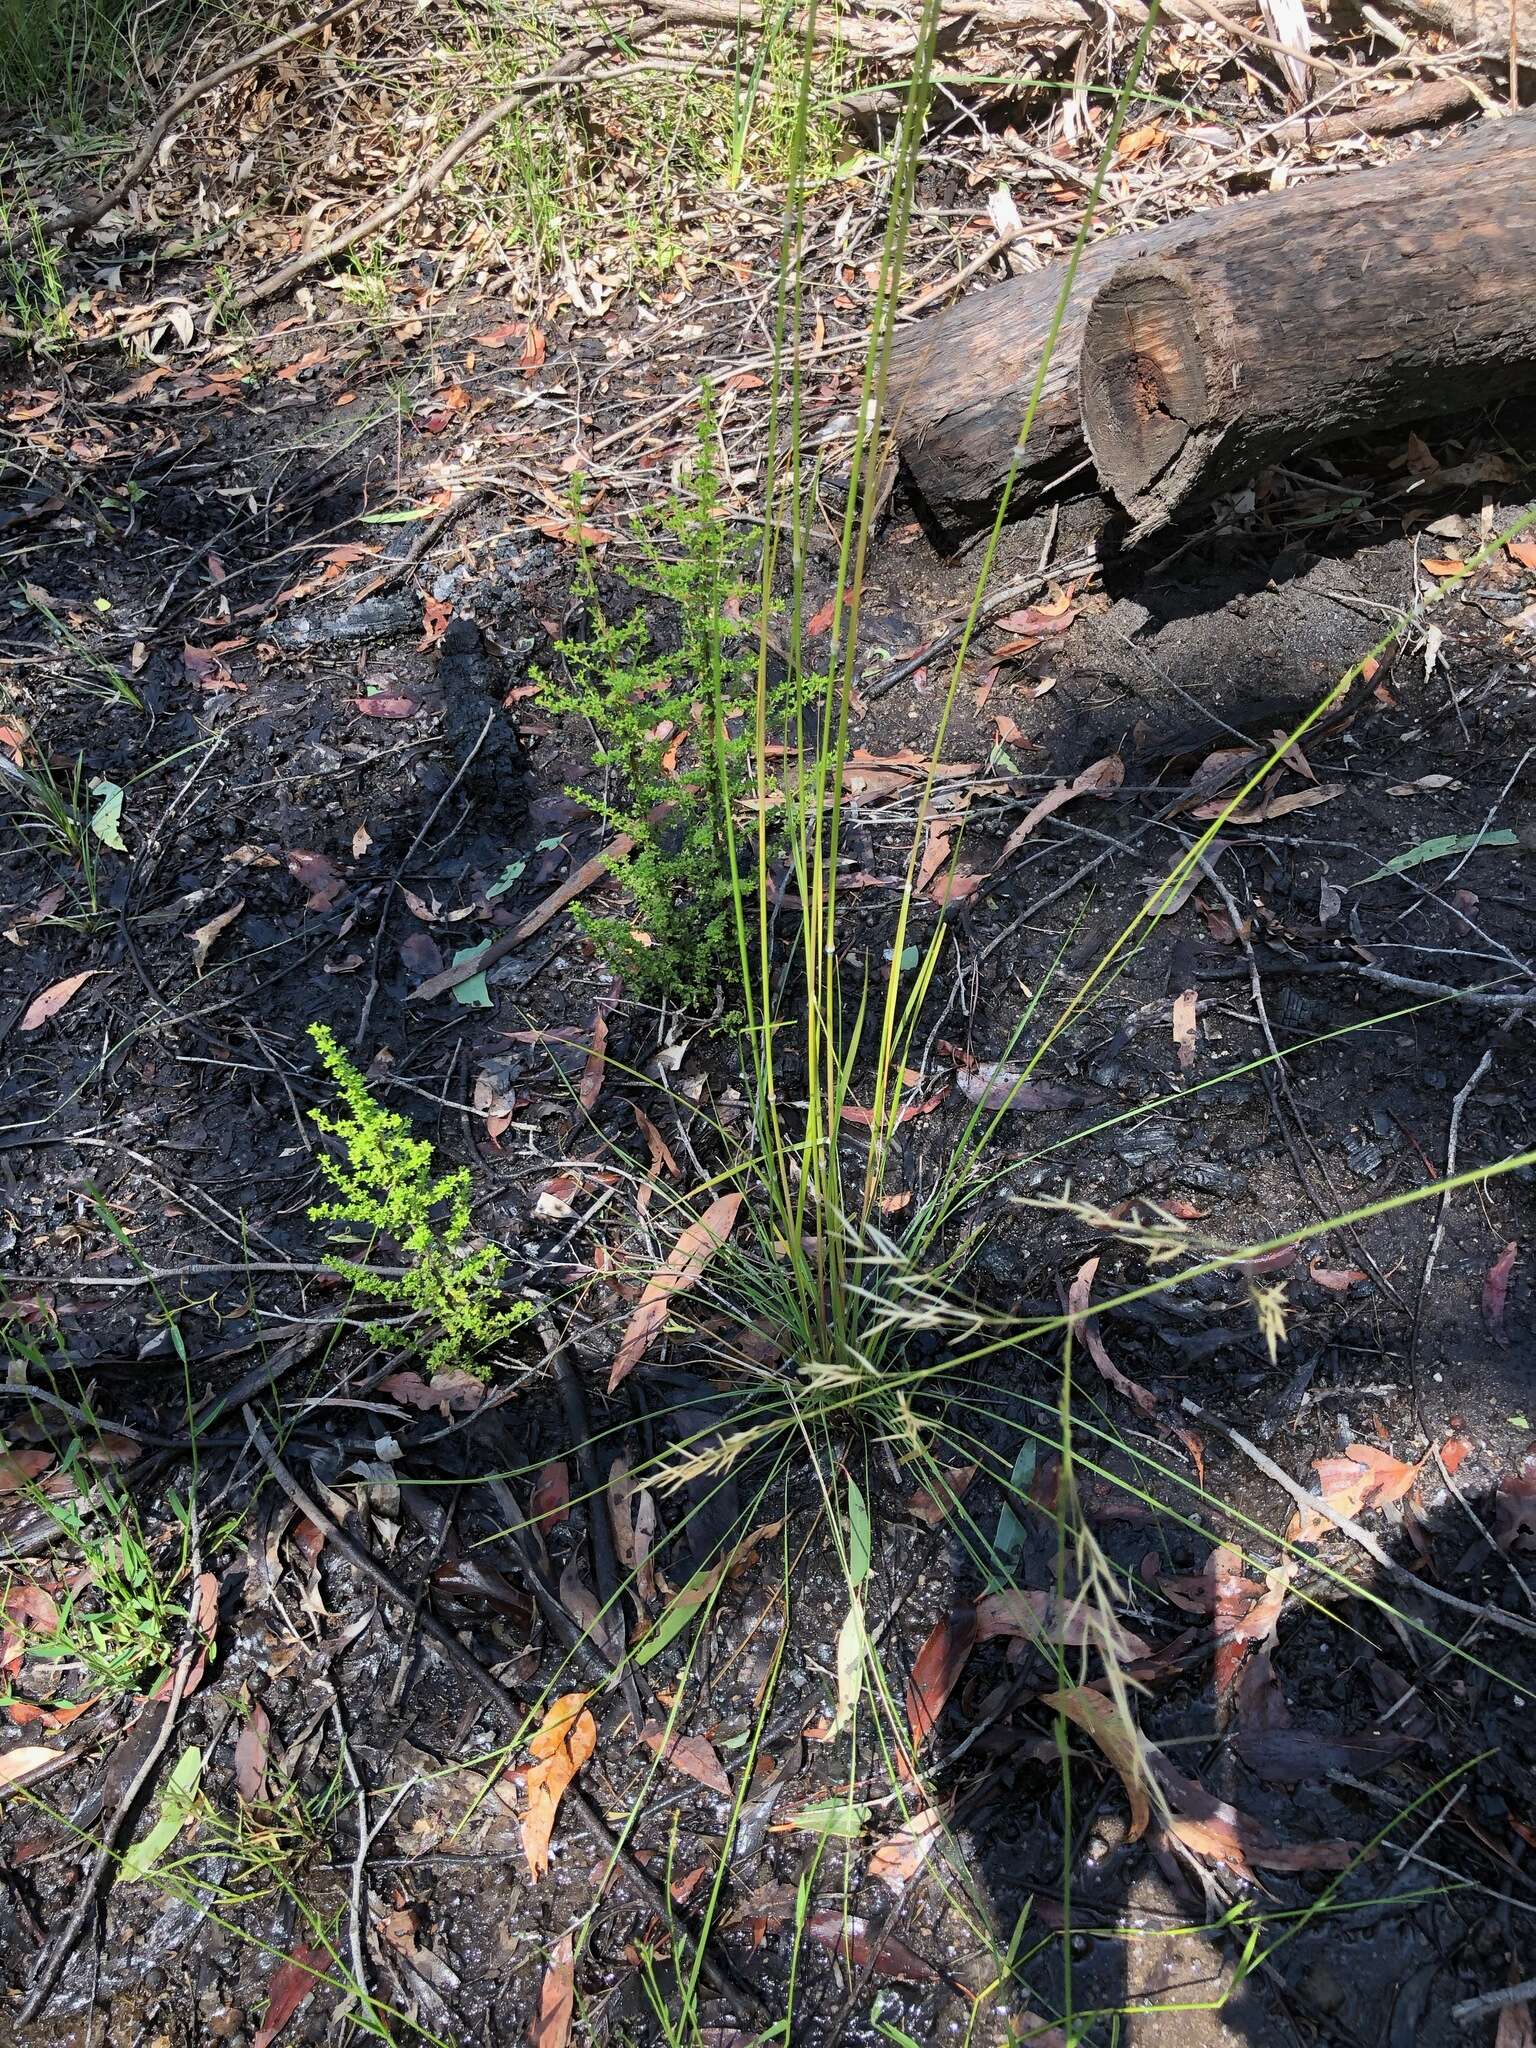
1087, 1328
689, 1256
49, 1003
1119, 1738
936, 1670
205, 934
1496, 1290
561, 1746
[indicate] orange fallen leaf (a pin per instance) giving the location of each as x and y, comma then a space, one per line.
557, 1997
561, 1746
952, 1484
1363, 1478
694, 1249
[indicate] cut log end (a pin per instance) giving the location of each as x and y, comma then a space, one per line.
1145, 401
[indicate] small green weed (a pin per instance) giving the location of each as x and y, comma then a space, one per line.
32, 292
673, 724
119, 1628
389, 1185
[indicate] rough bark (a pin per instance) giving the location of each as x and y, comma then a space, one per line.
1477, 24
1395, 294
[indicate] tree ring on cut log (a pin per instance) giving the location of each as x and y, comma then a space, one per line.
1145, 400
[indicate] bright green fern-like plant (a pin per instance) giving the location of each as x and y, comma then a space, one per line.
386, 1182
673, 725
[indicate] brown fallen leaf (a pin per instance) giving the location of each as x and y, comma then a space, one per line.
694, 1249
862, 1948
1102, 778
557, 1997
251, 1755
1496, 1290
318, 875
1034, 1616
1363, 1478
561, 1746
386, 707
952, 1484
1514, 1507
1087, 1328
661, 1157
854, 1113
452, 1391
19, 1466
1241, 1846
551, 1501
936, 1670
49, 1003
205, 934
1337, 1279
992, 1087
1272, 807
690, 1754
590, 1085
287, 1988
1185, 1005
1119, 1738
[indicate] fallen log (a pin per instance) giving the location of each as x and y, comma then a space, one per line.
1420, 106
1344, 307
960, 379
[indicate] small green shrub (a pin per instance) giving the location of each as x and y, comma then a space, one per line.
676, 727
389, 1185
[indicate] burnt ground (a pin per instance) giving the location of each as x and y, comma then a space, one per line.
364, 785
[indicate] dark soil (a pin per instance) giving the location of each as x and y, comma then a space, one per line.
367, 782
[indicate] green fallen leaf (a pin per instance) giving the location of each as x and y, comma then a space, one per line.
1008, 1543
1519, 1421
404, 518
838, 1818
909, 959
473, 993
679, 1611
1437, 849
176, 1803
107, 818
508, 875
858, 1535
